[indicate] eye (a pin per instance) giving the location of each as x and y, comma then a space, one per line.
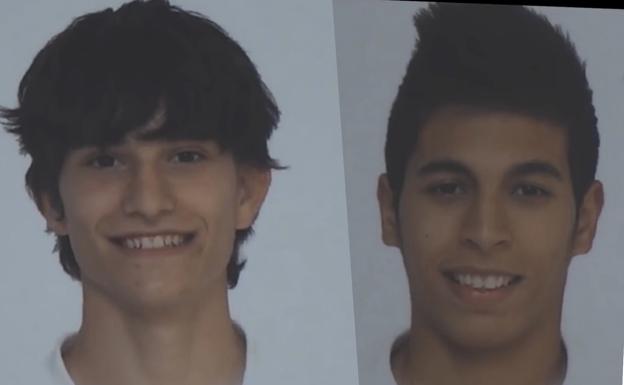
447, 189
529, 191
103, 161
188, 157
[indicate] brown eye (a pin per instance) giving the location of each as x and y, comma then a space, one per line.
528, 190
103, 161
188, 157
446, 189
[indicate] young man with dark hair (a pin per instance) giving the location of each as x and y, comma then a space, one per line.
147, 127
489, 192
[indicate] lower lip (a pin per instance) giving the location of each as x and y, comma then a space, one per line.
472, 296
157, 252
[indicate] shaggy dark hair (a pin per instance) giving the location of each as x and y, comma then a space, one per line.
109, 72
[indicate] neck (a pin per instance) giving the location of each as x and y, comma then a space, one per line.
421, 359
187, 344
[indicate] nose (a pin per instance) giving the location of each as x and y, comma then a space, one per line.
148, 194
485, 225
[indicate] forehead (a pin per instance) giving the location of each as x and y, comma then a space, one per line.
490, 140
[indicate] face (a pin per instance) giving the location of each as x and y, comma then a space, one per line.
153, 222
487, 225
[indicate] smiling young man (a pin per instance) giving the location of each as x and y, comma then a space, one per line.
147, 127
489, 193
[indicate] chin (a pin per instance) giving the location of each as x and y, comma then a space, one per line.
140, 297
481, 334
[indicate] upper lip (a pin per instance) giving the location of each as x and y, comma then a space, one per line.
471, 270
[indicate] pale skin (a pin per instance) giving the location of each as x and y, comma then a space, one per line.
155, 317
493, 191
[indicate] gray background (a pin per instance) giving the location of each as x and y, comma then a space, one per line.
294, 298
374, 41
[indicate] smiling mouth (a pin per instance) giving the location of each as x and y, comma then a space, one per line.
154, 242
483, 282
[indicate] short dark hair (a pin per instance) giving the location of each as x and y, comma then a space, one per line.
108, 73
494, 58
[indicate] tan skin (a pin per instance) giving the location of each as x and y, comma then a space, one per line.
490, 191
155, 318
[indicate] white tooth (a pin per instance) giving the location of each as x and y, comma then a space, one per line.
158, 242
146, 243
477, 282
490, 282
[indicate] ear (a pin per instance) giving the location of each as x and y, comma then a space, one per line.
389, 223
53, 214
253, 187
587, 220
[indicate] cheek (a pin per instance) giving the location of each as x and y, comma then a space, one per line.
542, 246
86, 207
87, 203
544, 232
427, 236
215, 204
545, 255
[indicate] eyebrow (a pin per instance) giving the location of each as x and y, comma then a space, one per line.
522, 169
536, 167
444, 165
